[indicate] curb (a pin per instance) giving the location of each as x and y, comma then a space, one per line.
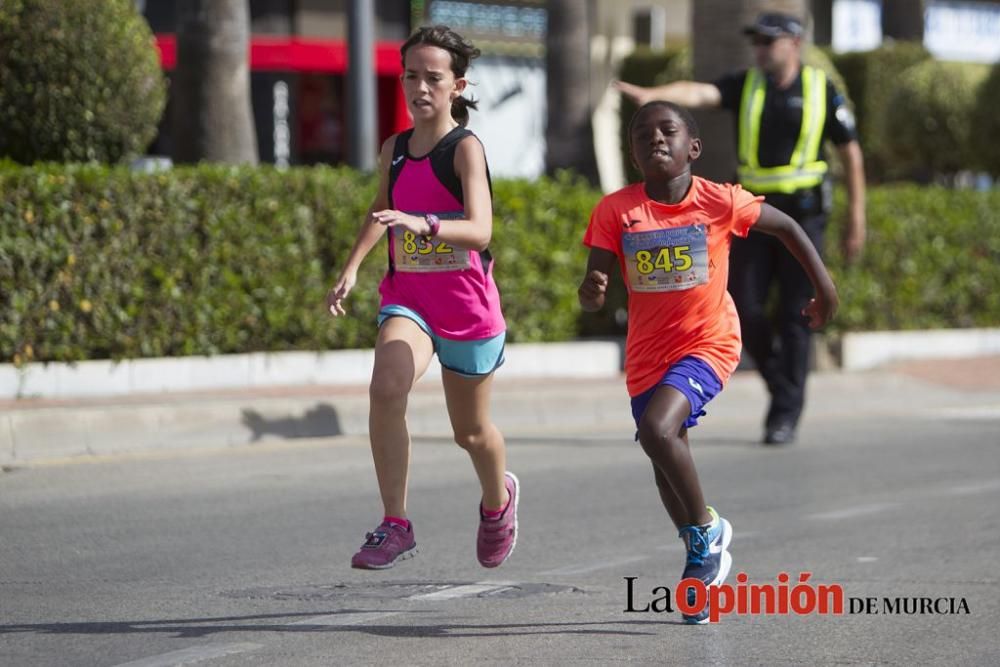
276, 369
863, 351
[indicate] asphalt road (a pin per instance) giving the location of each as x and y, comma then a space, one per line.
240, 556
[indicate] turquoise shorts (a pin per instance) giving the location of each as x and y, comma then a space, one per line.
472, 358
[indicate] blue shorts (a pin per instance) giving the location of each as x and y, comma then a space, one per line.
692, 377
471, 358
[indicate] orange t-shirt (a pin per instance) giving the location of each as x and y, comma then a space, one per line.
675, 261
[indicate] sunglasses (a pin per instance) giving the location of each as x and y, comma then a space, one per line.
762, 40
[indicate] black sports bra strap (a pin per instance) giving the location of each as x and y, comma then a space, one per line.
398, 159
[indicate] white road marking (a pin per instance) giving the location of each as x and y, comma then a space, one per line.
973, 488
468, 590
593, 567
972, 412
445, 593
867, 559
188, 656
851, 512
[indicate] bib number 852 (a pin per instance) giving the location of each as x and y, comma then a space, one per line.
421, 246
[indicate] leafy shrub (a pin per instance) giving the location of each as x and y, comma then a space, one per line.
106, 263
870, 77
79, 81
932, 260
929, 114
98, 263
540, 257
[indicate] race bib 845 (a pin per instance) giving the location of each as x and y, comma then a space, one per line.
666, 260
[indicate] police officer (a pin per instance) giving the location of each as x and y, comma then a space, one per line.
784, 113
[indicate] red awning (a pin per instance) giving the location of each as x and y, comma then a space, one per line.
295, 54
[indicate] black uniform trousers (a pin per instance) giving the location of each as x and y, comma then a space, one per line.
778, 340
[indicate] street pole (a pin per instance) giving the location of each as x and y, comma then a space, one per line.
362, 112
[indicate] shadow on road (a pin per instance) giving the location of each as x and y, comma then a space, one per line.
317, 422
295, 622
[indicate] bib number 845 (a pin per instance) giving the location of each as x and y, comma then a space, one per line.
672, 258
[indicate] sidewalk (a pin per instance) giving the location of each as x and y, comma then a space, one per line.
36, 430
52, 429
980, 374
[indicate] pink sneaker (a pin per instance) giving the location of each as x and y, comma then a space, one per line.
497, 537
384, 546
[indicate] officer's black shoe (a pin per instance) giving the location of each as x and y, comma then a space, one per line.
780, 434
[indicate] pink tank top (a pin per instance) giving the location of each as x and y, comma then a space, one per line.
452, 289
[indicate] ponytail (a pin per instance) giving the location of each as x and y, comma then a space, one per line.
460, 109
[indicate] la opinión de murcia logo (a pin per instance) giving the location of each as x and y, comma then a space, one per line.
783, 598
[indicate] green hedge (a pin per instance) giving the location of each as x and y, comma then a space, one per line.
79, 81
97, 263
106, 263
871, 77
930, 112
932, 260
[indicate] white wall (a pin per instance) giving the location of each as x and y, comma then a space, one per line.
511, 116
857, 25
965, 31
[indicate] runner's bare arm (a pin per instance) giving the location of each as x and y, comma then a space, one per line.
368, 236
595, 284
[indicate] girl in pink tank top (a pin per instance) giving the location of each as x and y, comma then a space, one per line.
452, 288
434, 205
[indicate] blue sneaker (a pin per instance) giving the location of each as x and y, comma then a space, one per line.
707, 558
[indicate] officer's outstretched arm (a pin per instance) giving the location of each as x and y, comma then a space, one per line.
690, 94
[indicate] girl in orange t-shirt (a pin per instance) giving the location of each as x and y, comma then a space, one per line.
670, 235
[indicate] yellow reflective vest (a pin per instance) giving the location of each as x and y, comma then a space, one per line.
805, 168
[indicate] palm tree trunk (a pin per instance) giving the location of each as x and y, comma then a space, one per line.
569, 140
903, 20
212, 117
822, 11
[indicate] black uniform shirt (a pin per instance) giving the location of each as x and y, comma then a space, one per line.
781, 119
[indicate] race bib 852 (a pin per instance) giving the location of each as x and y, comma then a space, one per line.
418, 254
